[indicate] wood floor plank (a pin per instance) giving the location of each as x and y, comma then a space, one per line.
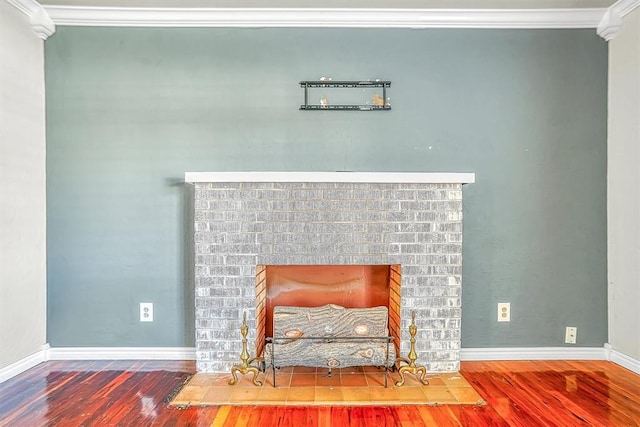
540, 393
221, 417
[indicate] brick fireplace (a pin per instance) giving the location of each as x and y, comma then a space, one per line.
244, 221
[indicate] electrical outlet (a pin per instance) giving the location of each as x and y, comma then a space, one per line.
571, 335
146, 312
504, 312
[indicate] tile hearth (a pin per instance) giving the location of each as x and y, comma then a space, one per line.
303, 386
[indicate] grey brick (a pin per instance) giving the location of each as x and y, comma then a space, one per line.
206, 216
224, 205
415, 248
454, 237
367, 238
383, 205
332, 216
400, 238
349, 205
370, 216
240, 238
382, 227
306, 194
240, 260
402, 195
223, 270
218, 185
256, 227
242, 216
306, 217
431, 237
224, 227
272, 216
258, 185
337, 194
288, 185
329, 227
255, 205
402, 216
384, 249
288, 227
368, 194
269, 194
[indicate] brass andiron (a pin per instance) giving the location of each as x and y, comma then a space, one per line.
245, 362
412, 357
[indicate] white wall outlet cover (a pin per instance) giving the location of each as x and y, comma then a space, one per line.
146, 312
504, 312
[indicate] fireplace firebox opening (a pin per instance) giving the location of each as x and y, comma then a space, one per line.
351, 286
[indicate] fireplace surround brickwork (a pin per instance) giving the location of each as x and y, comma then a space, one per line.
240, 225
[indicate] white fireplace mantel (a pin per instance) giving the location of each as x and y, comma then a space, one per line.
342, 177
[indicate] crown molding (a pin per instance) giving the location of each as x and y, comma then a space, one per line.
329, 17
624, 7
613, 18
38, 17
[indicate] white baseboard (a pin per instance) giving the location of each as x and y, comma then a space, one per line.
122, 353
24, 364
622, 359
189, 353
552, 353
533, 353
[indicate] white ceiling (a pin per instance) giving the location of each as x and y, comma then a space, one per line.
340, 4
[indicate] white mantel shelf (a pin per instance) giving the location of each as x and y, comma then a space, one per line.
343, 177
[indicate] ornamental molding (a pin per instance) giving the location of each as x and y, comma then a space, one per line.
612, 20
38, 17
325, 17
43, 19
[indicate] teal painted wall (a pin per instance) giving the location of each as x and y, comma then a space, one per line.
130, 110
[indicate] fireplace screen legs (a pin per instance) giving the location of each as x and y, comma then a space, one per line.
245, 362
411, 366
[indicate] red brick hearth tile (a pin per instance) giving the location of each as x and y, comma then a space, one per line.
354, 380
303, 380
325, 381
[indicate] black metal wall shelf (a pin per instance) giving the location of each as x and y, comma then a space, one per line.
379, 101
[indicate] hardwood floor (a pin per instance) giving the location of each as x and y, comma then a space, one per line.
541, 393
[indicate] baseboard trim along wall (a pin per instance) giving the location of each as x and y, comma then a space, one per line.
122, 353
189, 353
552, 353
24, 364
533, 353
622, 359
